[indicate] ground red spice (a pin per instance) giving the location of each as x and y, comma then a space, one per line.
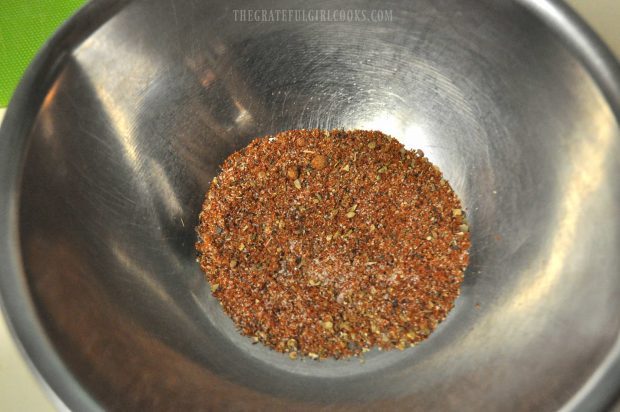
327, 243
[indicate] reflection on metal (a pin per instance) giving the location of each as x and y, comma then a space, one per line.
410, 134
589, 160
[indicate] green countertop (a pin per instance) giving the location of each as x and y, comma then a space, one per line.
24, 27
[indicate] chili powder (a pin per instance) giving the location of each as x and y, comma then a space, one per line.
327, 243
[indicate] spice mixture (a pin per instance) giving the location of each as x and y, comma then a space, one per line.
326, 243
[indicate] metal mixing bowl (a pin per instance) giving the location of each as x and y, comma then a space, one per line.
121, 122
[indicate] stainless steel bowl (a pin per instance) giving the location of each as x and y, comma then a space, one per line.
120, 123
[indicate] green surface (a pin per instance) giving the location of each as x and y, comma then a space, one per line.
24, 27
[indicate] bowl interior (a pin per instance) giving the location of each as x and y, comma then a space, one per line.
144, 110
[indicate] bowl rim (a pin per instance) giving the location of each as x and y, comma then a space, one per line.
599, 392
